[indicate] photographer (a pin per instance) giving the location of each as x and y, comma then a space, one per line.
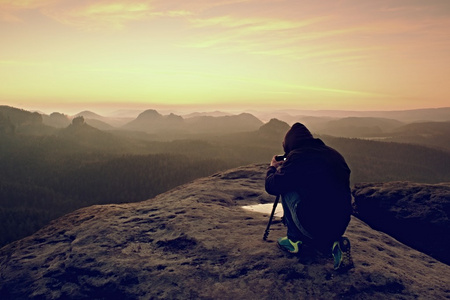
314, 183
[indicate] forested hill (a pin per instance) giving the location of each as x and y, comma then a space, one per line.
18, 117
13, 120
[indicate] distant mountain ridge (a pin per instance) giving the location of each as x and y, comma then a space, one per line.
225, 124
15, 120
150, 124
20, 117
210, 114
57, 120
151, 121
433, 134
441, 114
274, 127
81, 134
101, 122
88, 115
424, 128
359, 126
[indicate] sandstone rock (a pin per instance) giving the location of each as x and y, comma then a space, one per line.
415, 214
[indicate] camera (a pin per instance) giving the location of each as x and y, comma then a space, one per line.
280, 157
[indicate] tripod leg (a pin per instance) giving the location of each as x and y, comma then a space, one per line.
266, 233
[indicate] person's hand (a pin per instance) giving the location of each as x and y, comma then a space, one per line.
275, 163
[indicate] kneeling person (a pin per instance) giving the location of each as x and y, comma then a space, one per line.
314, 184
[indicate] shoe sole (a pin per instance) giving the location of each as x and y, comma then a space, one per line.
287, 250
347, 261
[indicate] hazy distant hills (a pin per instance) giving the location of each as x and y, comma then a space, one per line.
359, 123
151, 121
389, 125
89, 115
61, 132
60, 120
210, 114
101, 122
407, 116
433, 134
430, 134
225, 124
424, 129
56, 119
14, 120
84, 135
416, 115
274, 128
358, 126
19, 117
152, 125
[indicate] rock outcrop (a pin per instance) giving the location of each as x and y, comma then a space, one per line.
415, 214
196, 242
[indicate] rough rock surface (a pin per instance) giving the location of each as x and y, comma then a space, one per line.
196, 242
415, 214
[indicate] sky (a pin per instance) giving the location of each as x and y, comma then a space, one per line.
61, 55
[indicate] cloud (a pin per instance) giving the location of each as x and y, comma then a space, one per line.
88, 14
253, 24
96, 15
25, 4
404, 9
229, 29
257, 27
344, 37
22, 63
293, 39
10, 10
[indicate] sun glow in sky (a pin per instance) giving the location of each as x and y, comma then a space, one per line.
328, 54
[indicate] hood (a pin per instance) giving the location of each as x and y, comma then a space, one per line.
295, 137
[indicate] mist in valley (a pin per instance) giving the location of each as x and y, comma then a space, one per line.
53, 164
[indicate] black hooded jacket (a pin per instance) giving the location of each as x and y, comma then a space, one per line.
320, 175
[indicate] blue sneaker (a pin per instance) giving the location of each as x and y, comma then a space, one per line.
287, 245
341, 254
